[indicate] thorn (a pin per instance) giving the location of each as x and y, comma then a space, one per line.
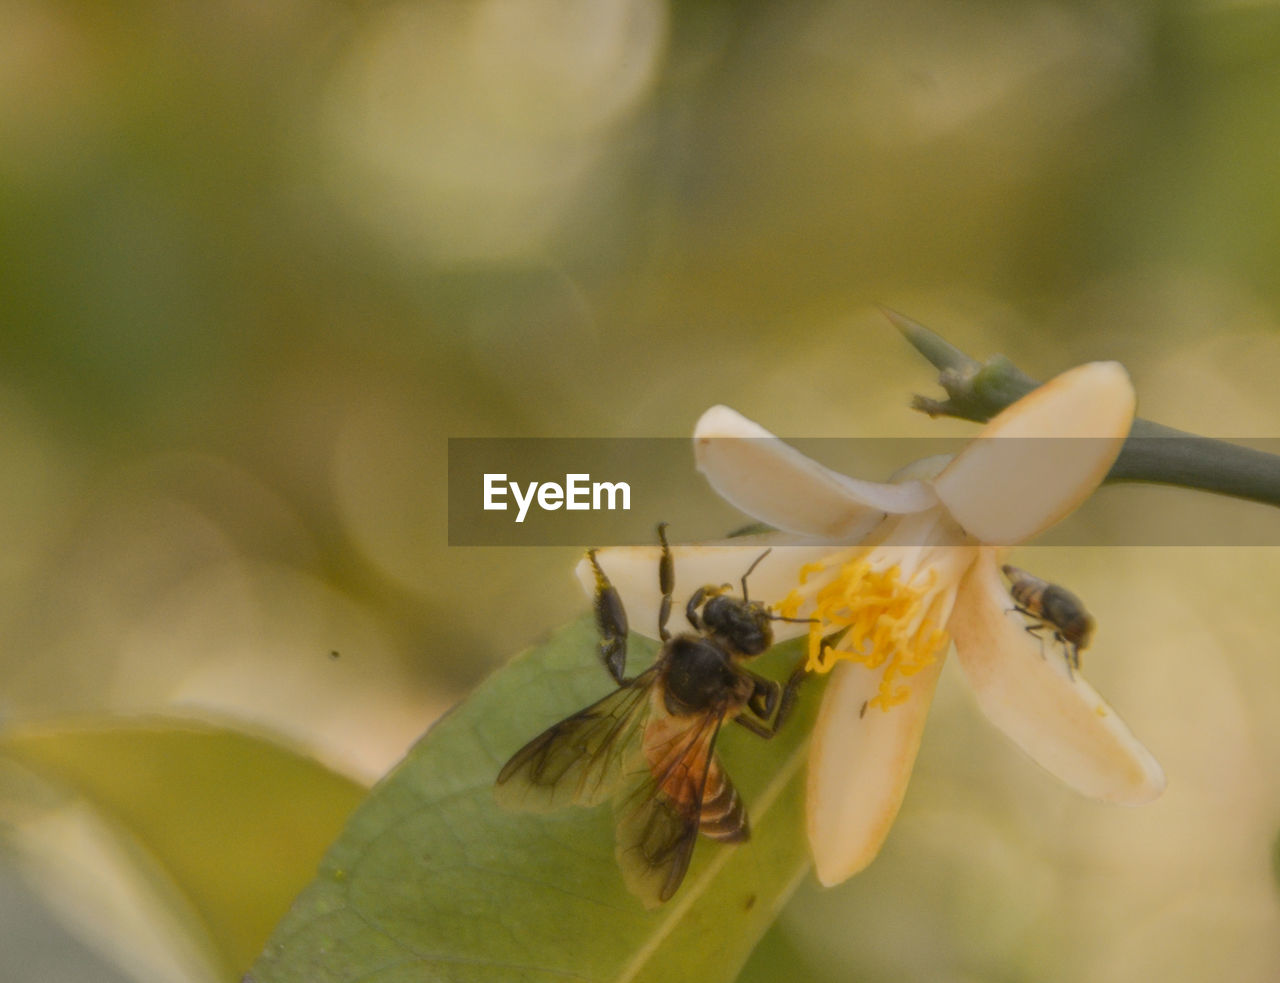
932, 346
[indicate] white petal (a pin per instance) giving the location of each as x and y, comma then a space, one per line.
859, 764
633, 570
1061, 722
774, 482
1019, 477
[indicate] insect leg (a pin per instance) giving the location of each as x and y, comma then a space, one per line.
779, 702
1034, 628
1034, 625
755, 726
789, 694
611, 620
666, 582
691, 609
764, 697
1072, 653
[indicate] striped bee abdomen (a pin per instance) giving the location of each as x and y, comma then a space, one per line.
724, 817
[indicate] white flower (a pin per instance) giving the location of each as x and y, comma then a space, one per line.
901, 570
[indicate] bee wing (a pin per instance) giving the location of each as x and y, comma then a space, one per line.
581, 759
659, 819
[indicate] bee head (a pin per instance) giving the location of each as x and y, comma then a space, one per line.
1078, 629
742, 624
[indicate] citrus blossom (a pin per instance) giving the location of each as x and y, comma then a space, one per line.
890, 575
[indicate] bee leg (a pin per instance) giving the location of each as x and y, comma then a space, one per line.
666, 582
764, 697
755, 726
790, 692
695, 602
1072, 653
775, 700
1033, 625
611, 620
1034, 632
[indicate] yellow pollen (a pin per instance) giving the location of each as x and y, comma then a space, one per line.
886, 622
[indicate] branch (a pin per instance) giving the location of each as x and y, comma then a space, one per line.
1152, 453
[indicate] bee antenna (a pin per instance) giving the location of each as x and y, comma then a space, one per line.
794, 621
750, 569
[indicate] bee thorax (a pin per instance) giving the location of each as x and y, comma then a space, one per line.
698, 676
1067, 613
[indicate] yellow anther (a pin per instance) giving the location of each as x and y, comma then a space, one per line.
887, 623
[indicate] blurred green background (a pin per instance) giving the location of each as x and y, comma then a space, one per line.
259, 259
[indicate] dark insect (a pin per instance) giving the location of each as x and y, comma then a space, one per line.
1050, 606
650, 744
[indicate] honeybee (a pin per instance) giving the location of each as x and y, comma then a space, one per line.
650, 744
1051, 606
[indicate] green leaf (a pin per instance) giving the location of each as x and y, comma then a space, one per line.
235, 823
432, 880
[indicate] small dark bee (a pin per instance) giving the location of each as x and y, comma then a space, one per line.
650, 744
1051, 606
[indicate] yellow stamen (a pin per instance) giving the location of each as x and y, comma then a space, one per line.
789, 606
887, 622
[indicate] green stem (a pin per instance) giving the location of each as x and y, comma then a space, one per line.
1152, 453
